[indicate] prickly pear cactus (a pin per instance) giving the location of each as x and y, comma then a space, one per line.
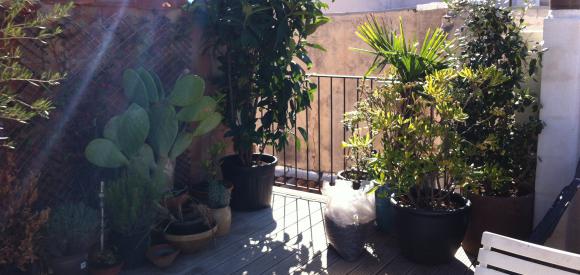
218, 195
154, 129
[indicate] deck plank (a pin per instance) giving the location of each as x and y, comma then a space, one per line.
263, 242
305, 247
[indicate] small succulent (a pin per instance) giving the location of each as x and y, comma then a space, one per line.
218, 194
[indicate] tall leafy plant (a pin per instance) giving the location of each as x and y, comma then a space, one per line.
260, 45
21, 22
500, 146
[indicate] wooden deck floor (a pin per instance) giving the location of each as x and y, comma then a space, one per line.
290, 239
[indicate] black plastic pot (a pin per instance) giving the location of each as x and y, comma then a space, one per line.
431, 237
252, 185
74, 264
132, 248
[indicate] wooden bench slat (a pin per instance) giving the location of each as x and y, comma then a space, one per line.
480, 270
533, 251
503, 261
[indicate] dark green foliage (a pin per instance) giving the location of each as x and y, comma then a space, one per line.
22, 22
257, 43
501, 148
72, 228
130, 203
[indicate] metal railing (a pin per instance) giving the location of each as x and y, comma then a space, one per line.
321, 156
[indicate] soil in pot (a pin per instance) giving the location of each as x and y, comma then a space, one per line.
223, 219
358, 178
252, 185
508, 216
431, 236
162, 255
74, 264
132, 248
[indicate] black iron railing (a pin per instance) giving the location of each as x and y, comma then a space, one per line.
320, 157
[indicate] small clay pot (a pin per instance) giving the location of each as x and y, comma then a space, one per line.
111, 270
223, 218
162, 255
191, 243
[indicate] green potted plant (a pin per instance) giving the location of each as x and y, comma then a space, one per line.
190, 227
408, 65
219, 193
70, 232
422, 159
130, 204
257, 45
503, 124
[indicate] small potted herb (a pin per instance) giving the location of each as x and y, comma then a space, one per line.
218, 192
70, 232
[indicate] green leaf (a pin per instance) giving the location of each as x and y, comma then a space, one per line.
150, 85
164, 128
197, 111
112, 129
187, 90
303, 133
209, 123
104, 153
182, 142
133, 130
134, 88
159, 85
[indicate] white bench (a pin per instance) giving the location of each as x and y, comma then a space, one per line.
500, 254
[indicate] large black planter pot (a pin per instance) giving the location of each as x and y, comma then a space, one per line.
132, 248
430, 237
252, 185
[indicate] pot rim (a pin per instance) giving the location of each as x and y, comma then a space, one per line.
274, 161
527, 196
425, 212
191, 237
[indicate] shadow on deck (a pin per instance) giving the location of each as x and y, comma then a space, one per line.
290, 238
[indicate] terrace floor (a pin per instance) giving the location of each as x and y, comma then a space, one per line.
290, 238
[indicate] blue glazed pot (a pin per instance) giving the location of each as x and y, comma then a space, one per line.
384, 210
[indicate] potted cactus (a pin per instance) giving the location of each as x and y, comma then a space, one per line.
219, 193
70, 232
154, 130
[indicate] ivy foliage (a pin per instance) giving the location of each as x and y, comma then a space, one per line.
21, 22
503, 122
262, 49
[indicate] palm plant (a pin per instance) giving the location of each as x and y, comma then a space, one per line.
410, 62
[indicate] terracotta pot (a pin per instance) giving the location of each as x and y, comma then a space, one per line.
191, 243
162, 255
223, 218
512, 217
74, 264
111, 270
